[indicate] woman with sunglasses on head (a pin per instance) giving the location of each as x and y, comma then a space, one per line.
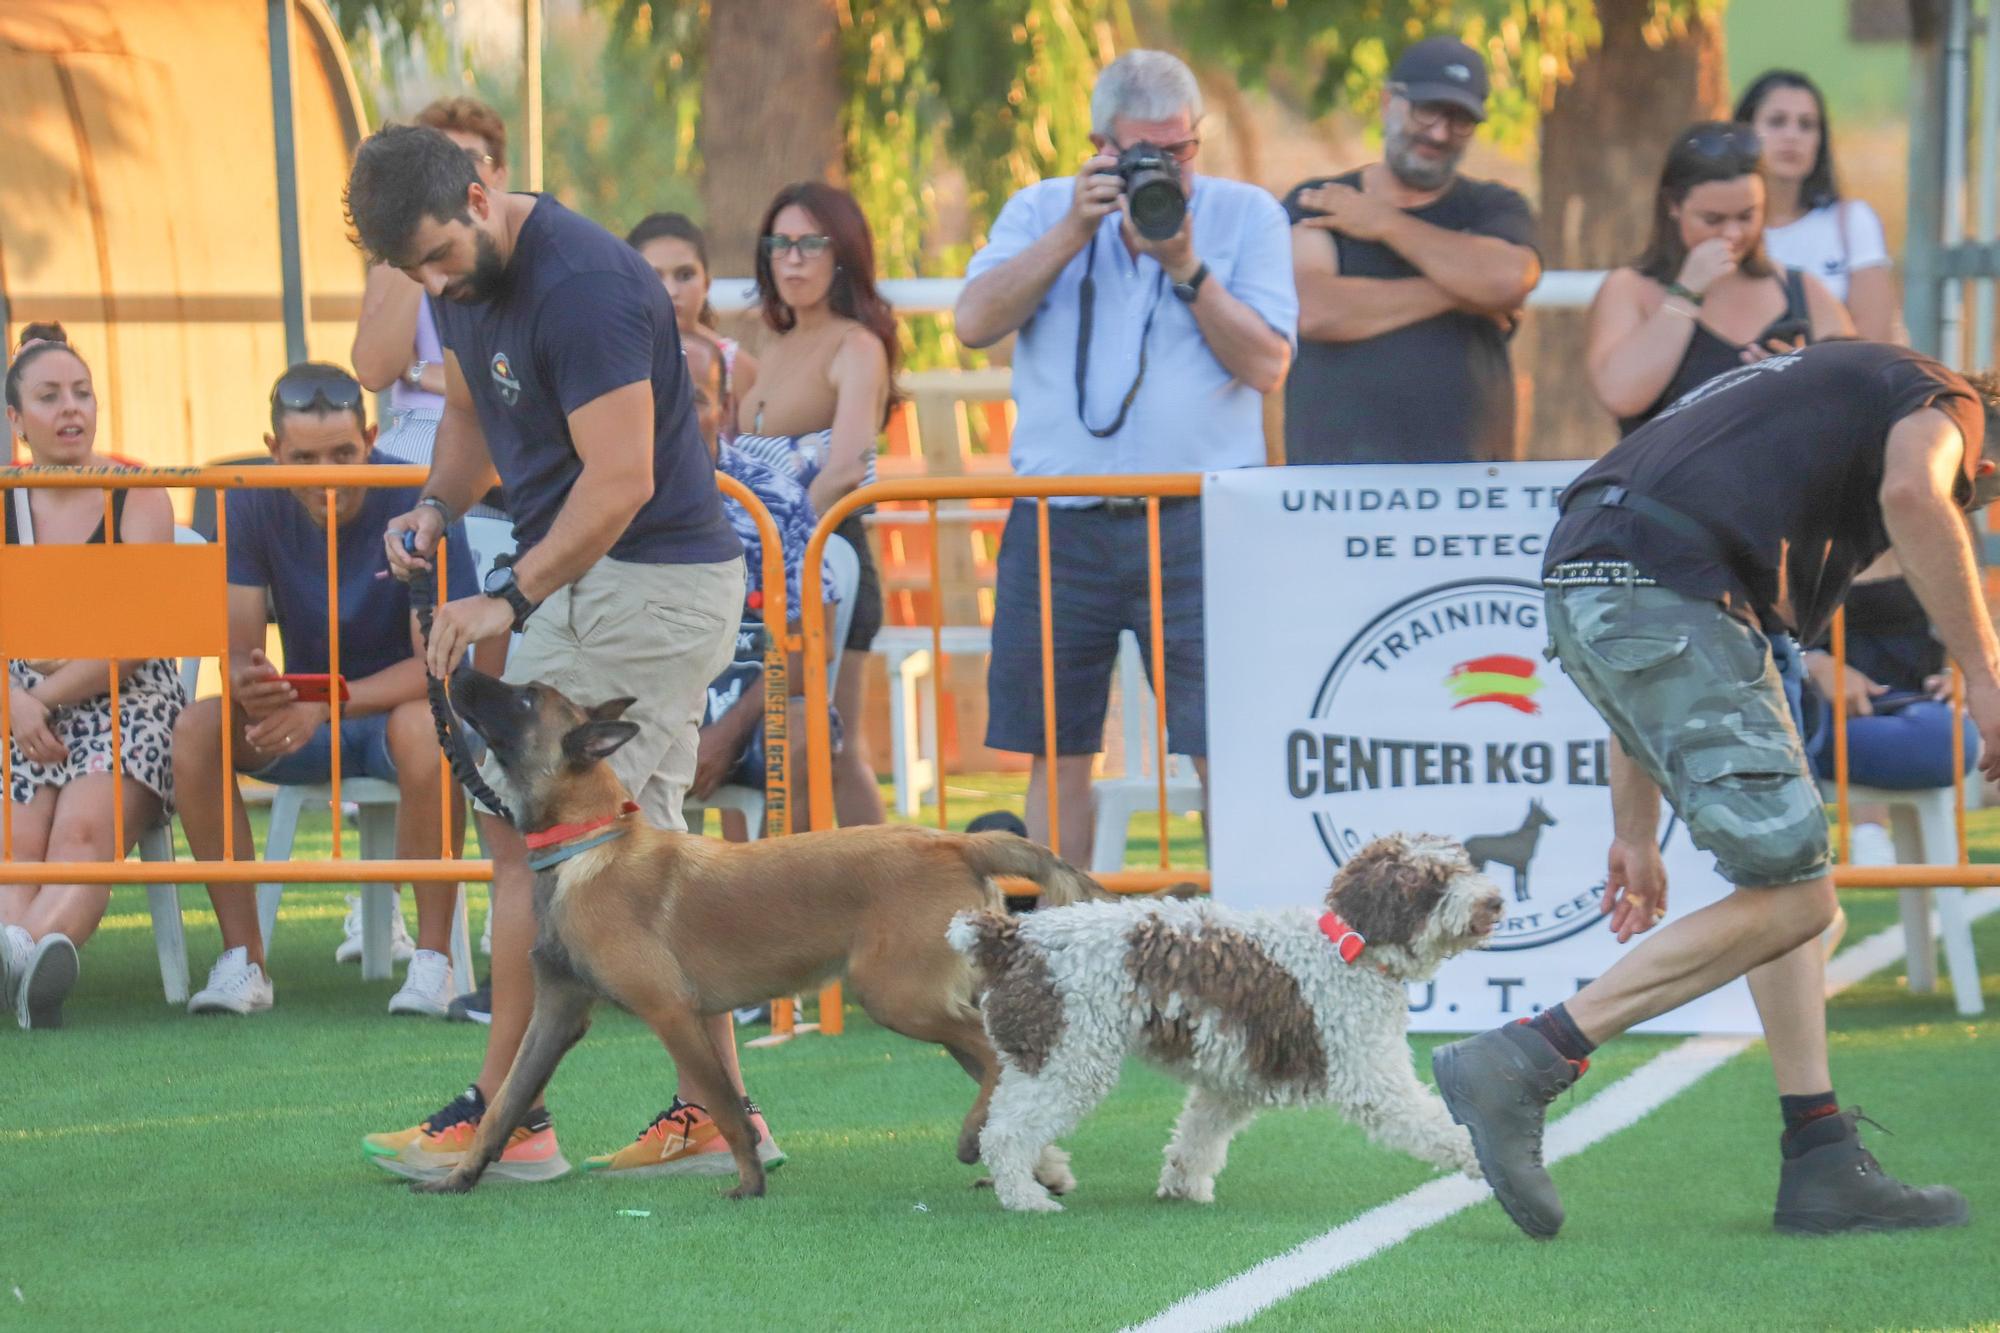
822, 395
1703, 298
1809, 224
59, 712
676, 249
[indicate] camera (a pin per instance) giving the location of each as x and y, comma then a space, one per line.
1153, 192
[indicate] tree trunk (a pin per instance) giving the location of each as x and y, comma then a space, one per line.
1603, 143
770, 114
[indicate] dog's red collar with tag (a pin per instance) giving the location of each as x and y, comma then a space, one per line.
1347, 941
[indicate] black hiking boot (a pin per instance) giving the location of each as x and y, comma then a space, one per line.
1499, 1085
1837, 1185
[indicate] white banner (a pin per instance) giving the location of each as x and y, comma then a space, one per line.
1375, 665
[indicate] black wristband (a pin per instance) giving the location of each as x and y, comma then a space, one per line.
1693, 298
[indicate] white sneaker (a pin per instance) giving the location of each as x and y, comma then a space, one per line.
427, 988
46, 983
486, 935
17, 952
235, 986
1871, 845
401, 946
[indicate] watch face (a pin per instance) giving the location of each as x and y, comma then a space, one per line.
497, 581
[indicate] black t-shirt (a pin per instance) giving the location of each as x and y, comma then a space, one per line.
1437, 391
1782, 461
581, 315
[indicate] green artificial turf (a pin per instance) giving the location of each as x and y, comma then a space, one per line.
163, 1171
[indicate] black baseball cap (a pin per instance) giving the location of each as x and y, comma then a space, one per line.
1442, 69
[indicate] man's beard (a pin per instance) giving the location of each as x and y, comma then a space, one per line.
1419, 173
488, 276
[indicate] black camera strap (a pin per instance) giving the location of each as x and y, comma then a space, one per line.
1087, 304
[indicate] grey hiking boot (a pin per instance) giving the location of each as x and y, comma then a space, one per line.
1499, 1085
1837, 1185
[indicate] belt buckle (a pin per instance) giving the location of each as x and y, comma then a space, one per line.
1124, 504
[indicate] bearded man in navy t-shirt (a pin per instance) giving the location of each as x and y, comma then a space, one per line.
564, 375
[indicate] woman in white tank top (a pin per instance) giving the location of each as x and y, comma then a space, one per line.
1808, 224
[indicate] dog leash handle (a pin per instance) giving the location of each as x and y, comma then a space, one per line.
423, 599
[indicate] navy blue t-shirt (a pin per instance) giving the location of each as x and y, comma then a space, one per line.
580, 315
274, 544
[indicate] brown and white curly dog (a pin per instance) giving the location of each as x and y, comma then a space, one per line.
1250, 1009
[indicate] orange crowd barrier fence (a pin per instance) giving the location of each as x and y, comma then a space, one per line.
930, 492
133, 601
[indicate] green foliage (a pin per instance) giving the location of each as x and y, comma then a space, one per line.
599, 157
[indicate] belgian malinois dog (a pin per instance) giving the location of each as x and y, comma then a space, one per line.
674, 927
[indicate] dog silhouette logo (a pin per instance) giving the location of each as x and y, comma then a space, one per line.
1515, 850
504, 382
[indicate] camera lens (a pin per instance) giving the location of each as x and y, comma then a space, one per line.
1157, 205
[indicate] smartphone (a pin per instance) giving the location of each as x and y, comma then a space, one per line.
1786, 331
315, 689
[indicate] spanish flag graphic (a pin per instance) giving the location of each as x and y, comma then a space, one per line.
1499, 679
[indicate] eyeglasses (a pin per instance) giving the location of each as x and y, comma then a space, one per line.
807, 247
1429, 115
480, 159
1726, 141
309, 388
1182, 152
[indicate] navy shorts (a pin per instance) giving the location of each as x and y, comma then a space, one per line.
364, 753
1099, 585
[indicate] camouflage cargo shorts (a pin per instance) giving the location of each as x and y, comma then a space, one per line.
1694, 696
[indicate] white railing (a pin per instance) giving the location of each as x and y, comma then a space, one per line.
1563, 289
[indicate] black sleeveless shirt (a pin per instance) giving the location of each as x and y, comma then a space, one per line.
1708, 355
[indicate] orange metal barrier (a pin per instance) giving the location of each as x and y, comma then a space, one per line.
160, 600
929, 491
1961, 874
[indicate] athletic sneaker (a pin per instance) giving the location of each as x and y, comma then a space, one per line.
684, 1140
46, 982
473, 1007
431, 1150
235, 986
401, 947
427, 990
17, 950
1837, 1185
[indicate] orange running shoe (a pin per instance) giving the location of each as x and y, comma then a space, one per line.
432, 1149
684, 1140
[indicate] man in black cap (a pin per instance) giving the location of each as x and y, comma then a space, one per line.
1410, 280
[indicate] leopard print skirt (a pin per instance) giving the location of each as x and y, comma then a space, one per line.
149, 702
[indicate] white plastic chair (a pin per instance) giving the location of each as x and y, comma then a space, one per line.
843, 566
163, 901
1924, 828
1137, 790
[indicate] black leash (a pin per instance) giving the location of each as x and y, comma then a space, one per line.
450, 731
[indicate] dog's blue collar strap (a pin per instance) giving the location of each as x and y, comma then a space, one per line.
555, 856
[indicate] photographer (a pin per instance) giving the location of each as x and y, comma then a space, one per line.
1141, 350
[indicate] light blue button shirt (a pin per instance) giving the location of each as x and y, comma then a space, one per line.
1190, 414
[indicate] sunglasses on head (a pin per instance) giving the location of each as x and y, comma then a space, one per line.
808, 247
1726, 141
310, 390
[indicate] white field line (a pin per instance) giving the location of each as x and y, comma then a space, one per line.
1622, 1104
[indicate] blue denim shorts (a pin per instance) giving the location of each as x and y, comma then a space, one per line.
1099, 585
364, 753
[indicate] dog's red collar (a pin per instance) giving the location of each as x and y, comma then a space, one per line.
1347, 941
549, 837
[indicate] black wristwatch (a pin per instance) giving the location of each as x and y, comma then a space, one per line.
1187, 291
500, 583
